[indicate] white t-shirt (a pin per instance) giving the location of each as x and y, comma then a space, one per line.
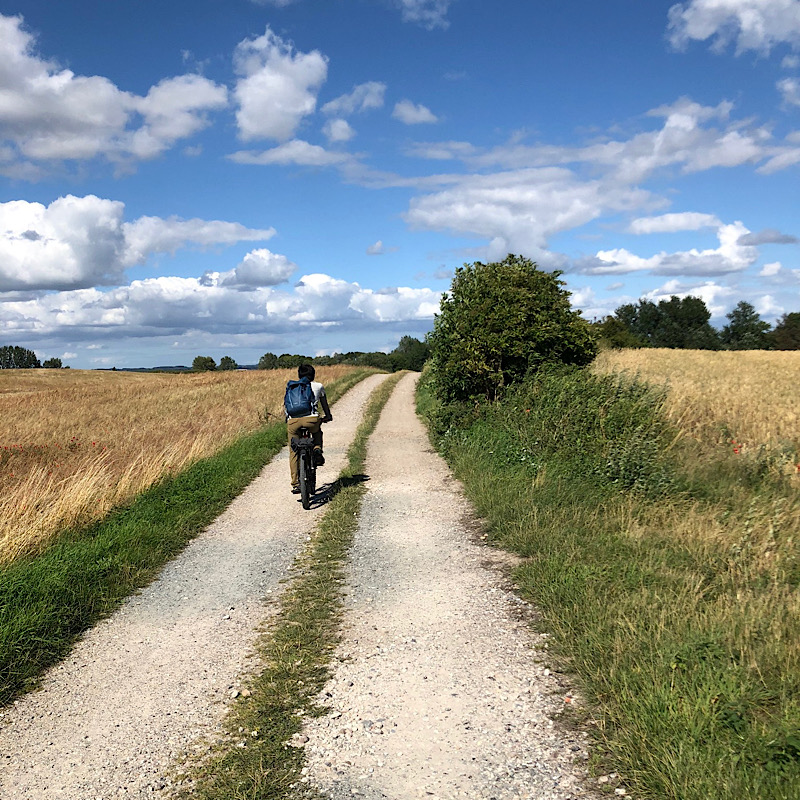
319, 391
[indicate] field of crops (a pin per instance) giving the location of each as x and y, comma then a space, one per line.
75, 443
745, 399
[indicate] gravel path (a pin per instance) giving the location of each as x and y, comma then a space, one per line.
440, 688
150, 682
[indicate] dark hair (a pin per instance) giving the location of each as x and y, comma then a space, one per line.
306, 371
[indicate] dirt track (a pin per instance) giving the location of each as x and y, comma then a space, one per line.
439, 689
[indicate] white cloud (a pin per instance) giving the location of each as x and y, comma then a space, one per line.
768, 236
52, 114
428, 13
148, 235
258, 268
411, 114
717, 298
277, 87
77, 242
365, 96
770, 270
790, 90
376, 249
172, 110
730, 256
753, 24
173, 306
338, 130
518, 210
671, 223
295, 152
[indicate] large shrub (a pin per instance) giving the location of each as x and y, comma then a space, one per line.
500, 321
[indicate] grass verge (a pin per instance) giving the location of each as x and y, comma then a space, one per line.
669, 585
47, 601
254, 760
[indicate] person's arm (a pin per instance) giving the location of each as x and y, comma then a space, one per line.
323, 401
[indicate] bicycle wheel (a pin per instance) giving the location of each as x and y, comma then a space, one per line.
303, 475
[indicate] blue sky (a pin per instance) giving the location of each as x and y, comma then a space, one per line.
230, 178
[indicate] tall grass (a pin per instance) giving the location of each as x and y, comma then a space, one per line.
75, 444
671, 593
747, 397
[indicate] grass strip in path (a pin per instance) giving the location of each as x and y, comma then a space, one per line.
47, 601
255, 761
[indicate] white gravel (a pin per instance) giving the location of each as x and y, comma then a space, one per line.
151, 682
441, 689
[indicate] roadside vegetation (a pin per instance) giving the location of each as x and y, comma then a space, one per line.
49, 597
76, 444
255, 758
662, 556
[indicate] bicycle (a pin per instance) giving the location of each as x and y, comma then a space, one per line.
303, 445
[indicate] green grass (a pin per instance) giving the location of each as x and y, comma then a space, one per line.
47, 601
254, 760
669, 585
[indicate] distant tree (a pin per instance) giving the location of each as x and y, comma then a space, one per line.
226, 362
786, 335
203, 364
410, 353
745, 329
12, 357
52, 363
613, 334
268, 361
292, 361
680, 322
500, 321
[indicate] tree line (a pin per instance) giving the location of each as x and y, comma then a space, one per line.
683, 323
410, 353
12, 357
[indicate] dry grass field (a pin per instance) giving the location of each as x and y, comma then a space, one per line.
747, 399
75, 443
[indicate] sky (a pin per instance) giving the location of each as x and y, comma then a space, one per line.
235, 177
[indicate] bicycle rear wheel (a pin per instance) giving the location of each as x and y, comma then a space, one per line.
306, 490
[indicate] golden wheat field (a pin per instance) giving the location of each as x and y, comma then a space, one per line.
75, 443
747, 399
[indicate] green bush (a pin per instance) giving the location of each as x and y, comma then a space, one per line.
499, 322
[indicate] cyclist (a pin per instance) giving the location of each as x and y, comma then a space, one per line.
312, 421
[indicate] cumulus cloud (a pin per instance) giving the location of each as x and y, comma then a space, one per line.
770, 270
258, 268
181, 307
277, 86
51, 114
730, 256
790, 91
412, 114
338, 130
365, 96
77, 242
671, 223
756, 25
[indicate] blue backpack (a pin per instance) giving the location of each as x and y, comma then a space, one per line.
299, 398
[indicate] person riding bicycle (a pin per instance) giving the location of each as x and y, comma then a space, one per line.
312, 421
